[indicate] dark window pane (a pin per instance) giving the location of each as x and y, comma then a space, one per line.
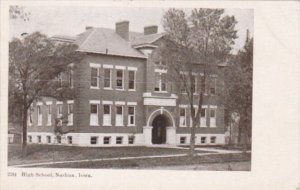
130, 110
94, 140
119, 110
202, 112
182, 112
106, 109
94, 108
212, 113
107, 78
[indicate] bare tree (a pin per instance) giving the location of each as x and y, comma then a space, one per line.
195, 45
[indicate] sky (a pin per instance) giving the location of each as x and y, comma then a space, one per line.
52, 20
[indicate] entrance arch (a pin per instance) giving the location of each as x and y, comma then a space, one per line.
159, 129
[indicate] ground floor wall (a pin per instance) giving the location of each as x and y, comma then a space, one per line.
119, 139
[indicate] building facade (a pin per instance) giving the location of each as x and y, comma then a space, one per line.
124, 96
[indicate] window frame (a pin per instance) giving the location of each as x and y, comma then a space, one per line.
110, 78
122, 80
134, 80
93, 77
131, 115
158, 81
121, 115
107, 115
180, 117
94, 114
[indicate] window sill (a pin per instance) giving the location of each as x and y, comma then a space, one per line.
107, 88
119, 125
118, 89
163, 92
131, 125
94, 125
96, 88
106, 125
132, 90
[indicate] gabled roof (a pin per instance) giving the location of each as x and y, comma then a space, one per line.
146, 39
106, 41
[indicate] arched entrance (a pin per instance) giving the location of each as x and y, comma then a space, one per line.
159, 129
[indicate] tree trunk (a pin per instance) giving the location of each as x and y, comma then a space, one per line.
24, 132
192, 140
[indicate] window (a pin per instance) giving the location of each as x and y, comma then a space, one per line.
48, 139
106, 140
71, 83
94, 115
59, 78
119, 140
203, 140
70, 140
182, 140
131, 115
49, 114
160, 82
182, 118
29, 120
194, 86
39, 139
131, 78
203, 117
59, 110
213, 139
119, 81
106, 115
107, 78
94, 77
58, 138
40, 116
212, 85
212, 117
119, 116
131, 140
70, 114
30, 138
94, 140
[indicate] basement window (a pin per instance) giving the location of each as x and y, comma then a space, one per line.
39, 139
131, 140
30, 139
70, 140
106, 140
203, 140
48, 139
213, 139
182, 140
94, 140
119, 140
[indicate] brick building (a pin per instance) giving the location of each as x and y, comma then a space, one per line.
123, 96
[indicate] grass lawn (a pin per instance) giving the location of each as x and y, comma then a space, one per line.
239, 161
46, 153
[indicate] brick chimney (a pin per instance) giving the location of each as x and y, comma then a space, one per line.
88, 27
122, 29
150, 29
